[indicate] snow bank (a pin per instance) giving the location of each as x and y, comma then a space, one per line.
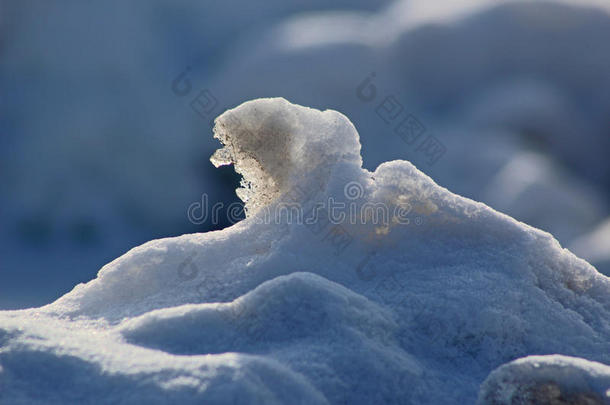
413, 295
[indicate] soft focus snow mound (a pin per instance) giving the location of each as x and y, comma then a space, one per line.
594, 246
547, 380
413, 296
527, 183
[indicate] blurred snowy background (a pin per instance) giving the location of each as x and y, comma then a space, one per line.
99, 152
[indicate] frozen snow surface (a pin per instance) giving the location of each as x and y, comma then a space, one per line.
414, 296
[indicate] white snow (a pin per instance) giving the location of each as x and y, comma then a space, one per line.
419, 308
547, 380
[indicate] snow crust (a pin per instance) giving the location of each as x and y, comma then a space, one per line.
418, 308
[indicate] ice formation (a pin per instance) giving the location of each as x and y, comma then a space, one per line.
416, 302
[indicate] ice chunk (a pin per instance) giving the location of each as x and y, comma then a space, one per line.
274, 145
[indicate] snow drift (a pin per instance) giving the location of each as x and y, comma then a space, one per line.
341, 286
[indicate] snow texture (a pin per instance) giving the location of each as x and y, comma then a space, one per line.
418, 308
547, 380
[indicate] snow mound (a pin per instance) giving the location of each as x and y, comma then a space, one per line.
547, 380
341, 286
276, 311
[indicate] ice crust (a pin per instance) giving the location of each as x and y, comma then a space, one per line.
420, 309
275, 147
